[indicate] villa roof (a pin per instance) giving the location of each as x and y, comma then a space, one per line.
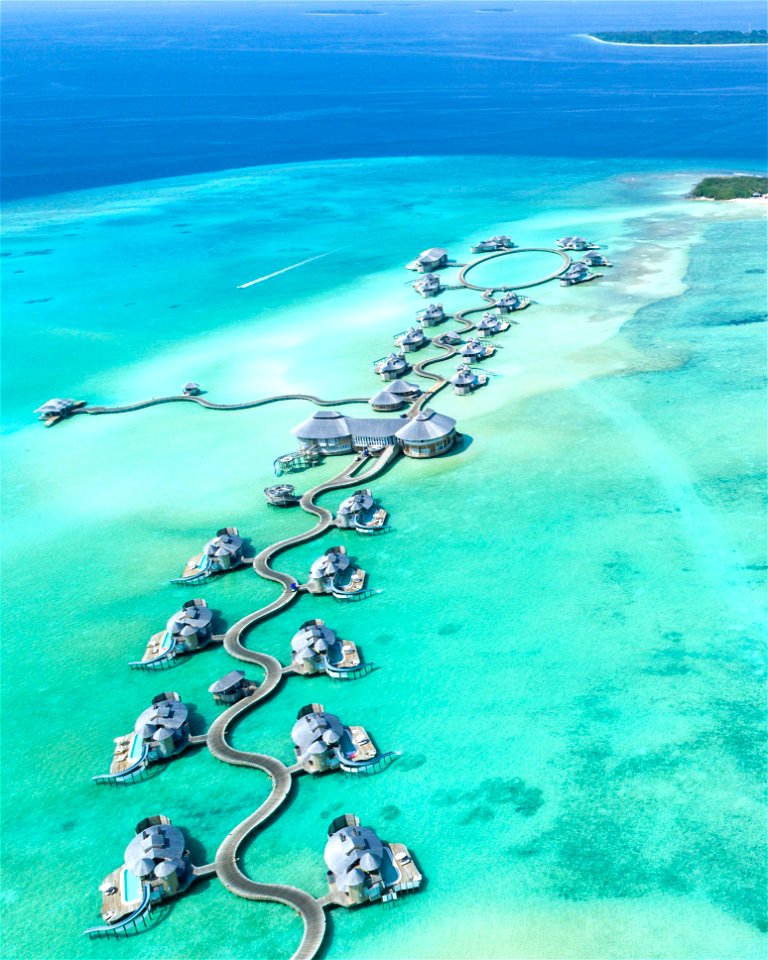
164, 715
190, 619
427, 425
56, 405
227, 682
434, 253
331, 562
349, 851
322, 425
385, 398
402, 387
319, 727
158, 842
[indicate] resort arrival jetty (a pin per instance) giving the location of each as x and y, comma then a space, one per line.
160, 732
362, 868
187, 631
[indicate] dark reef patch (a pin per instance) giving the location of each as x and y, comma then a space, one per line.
410, 762
389, 812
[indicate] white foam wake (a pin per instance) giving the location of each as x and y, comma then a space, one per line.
277, 273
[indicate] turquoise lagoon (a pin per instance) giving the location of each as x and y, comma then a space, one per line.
568, 613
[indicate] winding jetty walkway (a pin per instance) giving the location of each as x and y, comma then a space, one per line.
226, 863
506, 253
209, 405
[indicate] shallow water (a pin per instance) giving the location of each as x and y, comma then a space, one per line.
568, 627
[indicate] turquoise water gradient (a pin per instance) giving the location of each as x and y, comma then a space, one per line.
568, 623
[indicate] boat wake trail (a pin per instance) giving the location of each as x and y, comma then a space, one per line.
277, 273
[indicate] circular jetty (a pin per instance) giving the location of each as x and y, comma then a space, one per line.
507, 253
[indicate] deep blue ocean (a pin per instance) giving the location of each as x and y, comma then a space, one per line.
101, 93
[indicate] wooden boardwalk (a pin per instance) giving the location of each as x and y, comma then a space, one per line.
209, 405
226, 865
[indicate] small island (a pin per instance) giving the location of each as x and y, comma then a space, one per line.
682, 38
738, 187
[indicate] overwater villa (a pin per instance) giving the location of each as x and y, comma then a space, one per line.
395, 396
322, 742
475, 349
282, 495
156, 867
494, 244
232, 687
332, 433
593, 259
187, 631
465, 380
428, 434
492, 323
413, 339
334, 573
316, 649
428, 286
451, 338
433, 259
512, 301
432, 315
362, 868
191, 389
57, 409
576, 273
392, 366
360, 512
224, 552
160, 732
576, 243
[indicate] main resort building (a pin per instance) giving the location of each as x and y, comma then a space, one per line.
428, 434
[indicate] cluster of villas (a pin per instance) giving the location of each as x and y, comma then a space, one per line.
156, 866
428, 434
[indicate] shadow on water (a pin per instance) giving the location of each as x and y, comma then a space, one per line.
463, 442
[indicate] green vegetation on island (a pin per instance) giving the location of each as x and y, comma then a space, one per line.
729, 188
683, 37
